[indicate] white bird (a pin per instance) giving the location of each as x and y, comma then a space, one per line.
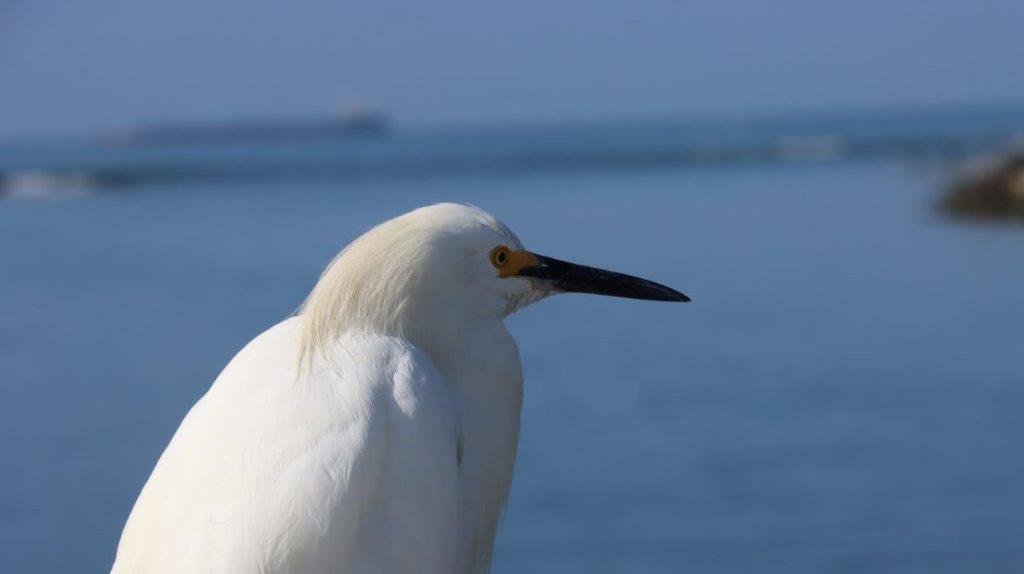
376, 430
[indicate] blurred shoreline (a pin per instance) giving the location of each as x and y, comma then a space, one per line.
254, 150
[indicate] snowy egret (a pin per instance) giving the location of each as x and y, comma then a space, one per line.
376, 430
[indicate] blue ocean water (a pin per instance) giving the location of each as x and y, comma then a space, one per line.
844, 394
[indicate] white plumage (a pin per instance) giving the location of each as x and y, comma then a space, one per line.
273, 474
374, 432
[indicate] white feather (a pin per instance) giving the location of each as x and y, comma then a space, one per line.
389, 446
352, 464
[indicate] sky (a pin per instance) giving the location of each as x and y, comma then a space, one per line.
71, 67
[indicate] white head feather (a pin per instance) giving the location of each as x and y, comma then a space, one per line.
427, 269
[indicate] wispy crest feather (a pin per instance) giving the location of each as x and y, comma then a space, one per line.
359, 289
368, 285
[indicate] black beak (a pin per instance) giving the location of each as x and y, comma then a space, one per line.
573, 278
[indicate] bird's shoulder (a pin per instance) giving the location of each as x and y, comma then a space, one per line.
301, 461
356, 377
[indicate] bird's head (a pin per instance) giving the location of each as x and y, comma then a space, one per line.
446, 263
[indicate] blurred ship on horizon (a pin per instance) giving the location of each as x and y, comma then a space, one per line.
350, 120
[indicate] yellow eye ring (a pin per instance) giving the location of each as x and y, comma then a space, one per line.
500, 256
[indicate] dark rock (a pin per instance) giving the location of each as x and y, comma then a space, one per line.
989, 189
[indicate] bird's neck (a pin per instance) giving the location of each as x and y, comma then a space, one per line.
480, 362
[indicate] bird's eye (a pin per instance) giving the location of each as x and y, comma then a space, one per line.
500, 256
